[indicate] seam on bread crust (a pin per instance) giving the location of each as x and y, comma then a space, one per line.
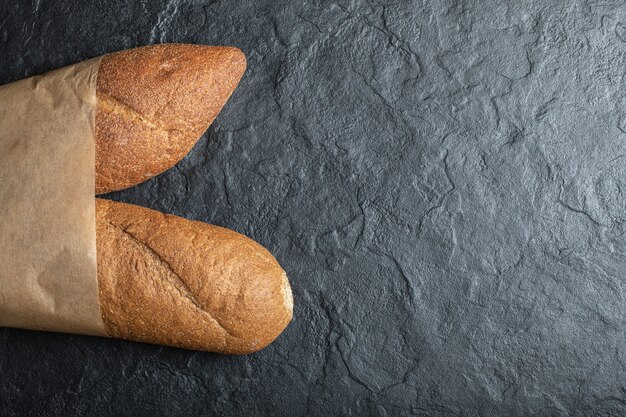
180, 285
115, 105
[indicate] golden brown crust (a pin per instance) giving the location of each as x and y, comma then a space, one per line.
154, 103
167, 280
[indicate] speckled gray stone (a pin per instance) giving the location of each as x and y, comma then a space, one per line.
444, 182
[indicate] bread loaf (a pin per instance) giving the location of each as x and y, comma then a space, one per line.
163, 279
171, 281
154, 103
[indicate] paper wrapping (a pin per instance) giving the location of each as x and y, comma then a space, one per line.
48, 270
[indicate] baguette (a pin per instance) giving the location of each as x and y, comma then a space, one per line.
163, 279
171, 281
154, 103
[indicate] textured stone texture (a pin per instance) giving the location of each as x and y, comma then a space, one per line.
444, 182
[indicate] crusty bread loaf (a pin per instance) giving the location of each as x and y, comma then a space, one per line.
167, 280
154, 103
163, 279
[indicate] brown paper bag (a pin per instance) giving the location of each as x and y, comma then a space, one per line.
48, 275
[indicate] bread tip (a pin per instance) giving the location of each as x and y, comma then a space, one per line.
287, 295
238, 59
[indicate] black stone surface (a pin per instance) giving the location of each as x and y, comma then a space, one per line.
444, 182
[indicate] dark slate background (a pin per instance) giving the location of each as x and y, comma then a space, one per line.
444, 182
